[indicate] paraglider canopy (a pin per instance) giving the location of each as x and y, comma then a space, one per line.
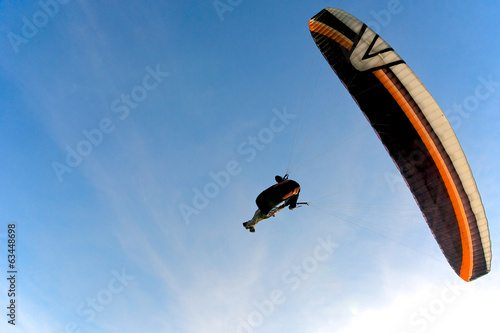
410, 123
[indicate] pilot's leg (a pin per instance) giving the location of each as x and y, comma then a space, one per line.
257, 217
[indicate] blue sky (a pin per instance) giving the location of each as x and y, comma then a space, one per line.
169, 99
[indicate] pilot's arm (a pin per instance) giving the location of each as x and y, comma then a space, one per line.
293, 201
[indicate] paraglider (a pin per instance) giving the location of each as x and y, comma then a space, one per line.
415, 133
282, 194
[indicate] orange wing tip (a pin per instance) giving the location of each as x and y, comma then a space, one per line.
323, 29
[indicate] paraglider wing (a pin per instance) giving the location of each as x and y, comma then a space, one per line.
416, 134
